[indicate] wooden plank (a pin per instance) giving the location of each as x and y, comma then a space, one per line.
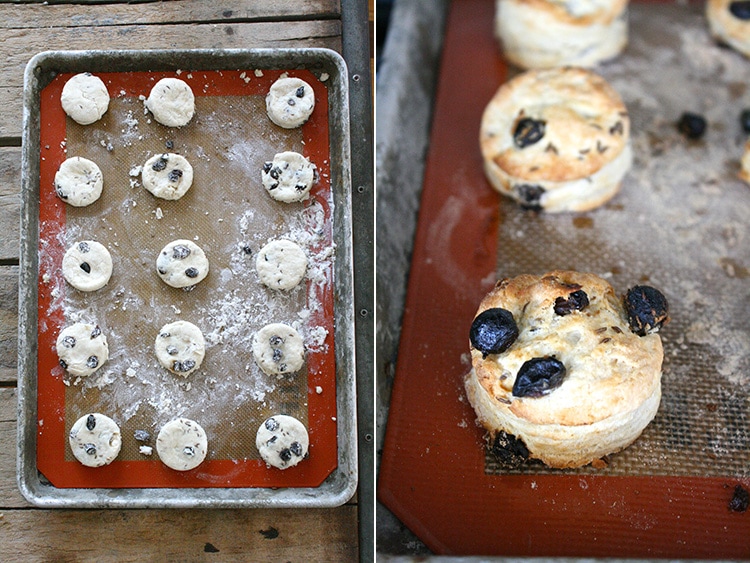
8, 324
10, 496
10, 202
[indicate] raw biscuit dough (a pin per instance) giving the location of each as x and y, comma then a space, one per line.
87, 265
288, 177
282, 441
182, 263
167, 176
82, 349
281, 264
85, 98
182, 444
95, 440
180, 347
78, 181
278, 349
290, 102
172, 102
729, 22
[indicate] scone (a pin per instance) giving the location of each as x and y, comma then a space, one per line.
556, 140
564, 371
744, 172
550, 33
729, 22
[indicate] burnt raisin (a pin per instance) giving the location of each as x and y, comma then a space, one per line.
745, 120
159, 165
191, 272
509, 450
530, 196
740, 500
69, 341
84, 246
92, 361
300, 93
90, 422
86, 267
576, 301
647, 309
180, 252
538, 377
528, 131
271, 424
285, 454
493, 331
692, 125
296, 448
740, 9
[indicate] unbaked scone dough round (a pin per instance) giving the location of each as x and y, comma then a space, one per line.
288, 177
82, 349
78, 181
576, 382
85, 98
180, 347
556, 140
172, 102
550, 33
729, 22
87, 265
182, 263
167, 176
95, 440
182, 444
278, 349
290, 102
281, 264
744, 172
282, 441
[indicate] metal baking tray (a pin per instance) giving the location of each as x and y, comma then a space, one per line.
216, 484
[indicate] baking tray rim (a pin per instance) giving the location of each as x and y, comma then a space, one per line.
341, 484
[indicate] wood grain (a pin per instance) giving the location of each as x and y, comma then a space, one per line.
8, 325
10, 202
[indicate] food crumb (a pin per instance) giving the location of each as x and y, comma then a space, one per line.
324, 77
258, 73
146, 450
318, 389
740, 499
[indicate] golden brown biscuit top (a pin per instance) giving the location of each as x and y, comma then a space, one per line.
732, 19
556, 124
609, 369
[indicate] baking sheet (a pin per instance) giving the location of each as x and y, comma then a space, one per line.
678, 224
228, 213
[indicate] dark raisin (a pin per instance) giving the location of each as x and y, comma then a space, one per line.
90, 449
530, 196
740, 9
162, 271
91, 422
175, 174
180, 252
692, 125
187, 365
282, 368
300, 93
92, 361
740, 500
96, 332
191, 272
275, 340
300, 187
172, 350
528, 131
63, 364
188, 451
576, 301
86, 267
647, 309
285, 454
745, 120
296, 448
69, 341
142, 435
267, 167
493, 331
247, 249
60, 193
275, 172
509, 450
274, 186
272, 424
538, 376
160, 164
271, 440
169, 145
84, 246
277, 355
291, 102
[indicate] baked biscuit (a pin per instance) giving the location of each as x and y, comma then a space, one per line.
549, 33
556, 140
562, 370
729, 22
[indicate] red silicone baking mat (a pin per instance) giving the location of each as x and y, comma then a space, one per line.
678, 224
230, 215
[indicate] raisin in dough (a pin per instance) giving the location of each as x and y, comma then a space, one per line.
729, 23
82, 349
182, 263
180, 347
556, 140
282, 441
85, 98
289, 177
281, 264
576, 375
182, 444
290, 102
167, 176
278, 349
171, 101
95, 440
78, 181
87, 265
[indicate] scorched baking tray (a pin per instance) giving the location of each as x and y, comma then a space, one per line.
229, 214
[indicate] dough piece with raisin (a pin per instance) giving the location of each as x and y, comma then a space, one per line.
289, 177
729, 23
180, 347
563, 370
282, 441
182, 444
550, 33
171, 101
182, 263
556, 140
167, 176
278, 349
87, 265
95, 440
281, 264
82, 349
78, 181
290, 102
85, 98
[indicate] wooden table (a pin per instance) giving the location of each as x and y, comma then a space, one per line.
30, 534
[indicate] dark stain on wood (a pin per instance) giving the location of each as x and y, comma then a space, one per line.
210, 548
270, 534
